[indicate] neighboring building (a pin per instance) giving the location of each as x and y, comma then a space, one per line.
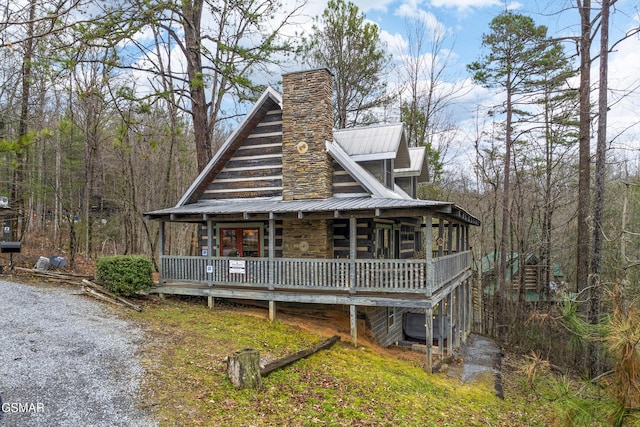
524, 277
292, 210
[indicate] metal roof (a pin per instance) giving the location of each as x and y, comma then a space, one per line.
417, 156
334, 204
360, 174
377, 142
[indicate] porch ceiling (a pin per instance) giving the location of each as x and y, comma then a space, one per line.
325, 208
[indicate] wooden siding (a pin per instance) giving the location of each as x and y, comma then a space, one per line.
255, 169
343, 182
378, 323
341, 238
407, 240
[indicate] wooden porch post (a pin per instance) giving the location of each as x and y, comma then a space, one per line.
428, 318
428, 250
161, 248
272, 248
450, 247
353, 252
450, 325
441, 236
353, 322
467, 246
161, 238
161, 252
210, 255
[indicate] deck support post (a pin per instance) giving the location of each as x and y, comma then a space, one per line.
353, 322
272, 250
272, 311
458, 323
428, 317
449, 325
210, 303
470, 305
465, 314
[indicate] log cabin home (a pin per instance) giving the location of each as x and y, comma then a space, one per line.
291, 210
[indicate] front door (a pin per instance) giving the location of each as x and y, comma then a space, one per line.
240, 242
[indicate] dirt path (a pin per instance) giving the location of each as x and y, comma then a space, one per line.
481, 356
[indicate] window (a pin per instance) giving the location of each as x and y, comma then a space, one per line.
383, 242
391, 317
388, 173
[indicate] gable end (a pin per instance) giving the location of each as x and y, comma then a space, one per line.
255, 167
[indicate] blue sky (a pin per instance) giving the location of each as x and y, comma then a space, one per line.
464, 22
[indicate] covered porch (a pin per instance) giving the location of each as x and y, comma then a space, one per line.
434, 279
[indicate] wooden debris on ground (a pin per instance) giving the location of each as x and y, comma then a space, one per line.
118, 298
100, 296
88, 287
243, 367
288, 360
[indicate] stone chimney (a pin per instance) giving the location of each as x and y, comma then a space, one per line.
307, 122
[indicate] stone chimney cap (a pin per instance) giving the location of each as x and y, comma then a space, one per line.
310, 71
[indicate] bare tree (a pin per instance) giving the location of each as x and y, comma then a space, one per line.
426, 99
221, 46
351, 48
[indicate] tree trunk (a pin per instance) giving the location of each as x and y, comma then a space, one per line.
243, 369
584, 163
18, 185
595, 367
192, 12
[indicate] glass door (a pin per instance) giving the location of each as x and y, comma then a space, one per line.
240, 242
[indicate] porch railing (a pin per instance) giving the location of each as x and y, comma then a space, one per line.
372, 275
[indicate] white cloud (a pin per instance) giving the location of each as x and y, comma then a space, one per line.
624, 93
412, 11
466, 4
367, 5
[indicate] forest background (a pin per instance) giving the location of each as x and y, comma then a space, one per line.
110, 109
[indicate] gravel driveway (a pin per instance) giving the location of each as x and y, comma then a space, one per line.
66, 360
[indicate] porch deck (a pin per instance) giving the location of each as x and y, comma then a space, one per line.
380, 282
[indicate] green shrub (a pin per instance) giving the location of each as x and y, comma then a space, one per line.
125, 274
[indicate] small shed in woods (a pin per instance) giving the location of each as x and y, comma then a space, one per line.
291, 210
525, 275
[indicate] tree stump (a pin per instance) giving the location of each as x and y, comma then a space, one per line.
243, 369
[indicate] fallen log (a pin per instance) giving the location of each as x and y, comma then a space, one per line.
101, 297
287, 360
103, 290
53, 274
